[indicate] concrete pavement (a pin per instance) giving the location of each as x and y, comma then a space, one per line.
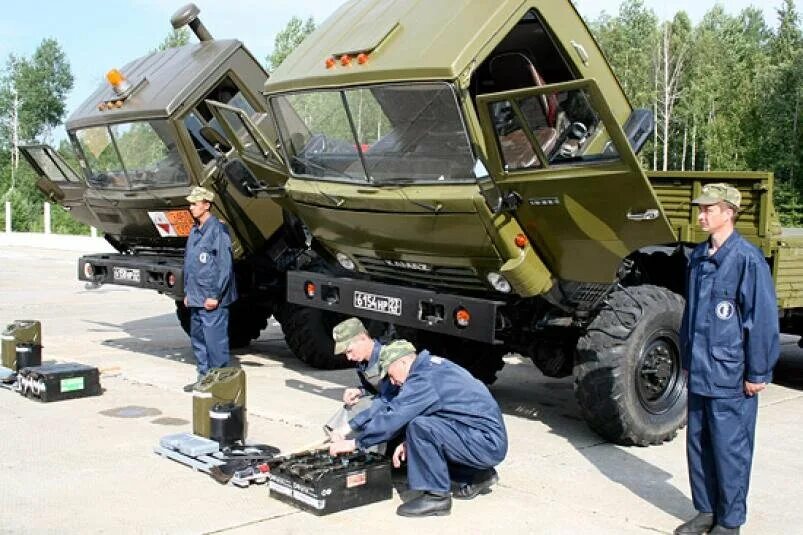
87, 466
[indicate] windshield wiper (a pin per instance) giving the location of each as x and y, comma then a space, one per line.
324, 168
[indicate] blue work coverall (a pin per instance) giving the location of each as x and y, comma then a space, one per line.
381, 389
209, 273
450, 419
729, 335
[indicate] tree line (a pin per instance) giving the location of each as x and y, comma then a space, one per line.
726, 95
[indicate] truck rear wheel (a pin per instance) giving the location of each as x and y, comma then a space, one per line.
627, 376
308, 333
246, 322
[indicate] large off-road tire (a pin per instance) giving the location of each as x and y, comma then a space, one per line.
246, 321
482, 360
627, 376
308, 333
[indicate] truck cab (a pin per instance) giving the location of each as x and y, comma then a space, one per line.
141, 142
473, 168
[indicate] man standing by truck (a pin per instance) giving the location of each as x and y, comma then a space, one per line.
209, 285
729, 338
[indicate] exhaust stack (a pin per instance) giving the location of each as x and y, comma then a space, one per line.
188, 15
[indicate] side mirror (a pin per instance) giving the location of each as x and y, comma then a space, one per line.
215, 138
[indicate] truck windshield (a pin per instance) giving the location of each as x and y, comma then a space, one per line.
384, 133
135, 155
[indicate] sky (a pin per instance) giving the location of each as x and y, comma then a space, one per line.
100, 35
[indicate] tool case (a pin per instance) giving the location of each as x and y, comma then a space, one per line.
56, 382
322, 484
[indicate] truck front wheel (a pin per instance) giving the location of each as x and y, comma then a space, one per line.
482, 360
308, 333
245, 322
627, 375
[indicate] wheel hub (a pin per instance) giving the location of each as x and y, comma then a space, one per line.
657, 373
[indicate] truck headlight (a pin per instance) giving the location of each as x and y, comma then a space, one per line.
499, 283
345, 261
89, 270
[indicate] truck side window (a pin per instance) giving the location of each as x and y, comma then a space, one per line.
526, 57
565, 126
225, 92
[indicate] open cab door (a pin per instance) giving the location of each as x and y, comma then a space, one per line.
583, 198
268, 173
58, 181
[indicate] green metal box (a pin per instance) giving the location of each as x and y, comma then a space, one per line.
18, 332
221, 385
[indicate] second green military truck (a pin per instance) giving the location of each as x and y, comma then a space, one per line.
472, 167
140, 147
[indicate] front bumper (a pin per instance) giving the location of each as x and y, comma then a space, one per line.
151, 272
409, 307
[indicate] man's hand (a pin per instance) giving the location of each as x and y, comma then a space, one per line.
342, 446
210, 304
399, 455
751, 389
351, 396
186, 301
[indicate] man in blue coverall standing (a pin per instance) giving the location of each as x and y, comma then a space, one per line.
209, 285
450, 421
730, 343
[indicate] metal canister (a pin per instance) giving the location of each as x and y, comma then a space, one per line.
221, 385
227, 424
28, 356
18, 332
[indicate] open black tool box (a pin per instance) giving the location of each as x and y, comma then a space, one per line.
321, 484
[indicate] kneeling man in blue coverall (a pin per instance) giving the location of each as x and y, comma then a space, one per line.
451, 424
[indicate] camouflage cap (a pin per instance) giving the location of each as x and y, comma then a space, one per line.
393, 352
720, 192
200, 194
344, 332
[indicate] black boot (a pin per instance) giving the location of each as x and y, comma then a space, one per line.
722, 530
468, 491
696, 526
428, 504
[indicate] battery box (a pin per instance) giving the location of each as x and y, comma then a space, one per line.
56, 382
321, 484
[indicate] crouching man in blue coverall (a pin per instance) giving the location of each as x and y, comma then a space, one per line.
209, 285
352, 340
450, 421
729, 338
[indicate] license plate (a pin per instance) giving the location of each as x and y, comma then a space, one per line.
126, 274
378, 303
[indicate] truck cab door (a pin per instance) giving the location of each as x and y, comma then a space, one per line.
583, 199
58, 182
266, 165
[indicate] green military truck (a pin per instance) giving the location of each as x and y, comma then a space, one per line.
473, 167
140, 147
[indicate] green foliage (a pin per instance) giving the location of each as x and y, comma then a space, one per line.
174, 39
36, 87
41, 84
739, 100
288, 39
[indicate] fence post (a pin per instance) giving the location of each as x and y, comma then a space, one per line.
8, 216
93, 232
47, 218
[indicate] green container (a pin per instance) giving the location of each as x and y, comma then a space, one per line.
221, 385
19, 332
